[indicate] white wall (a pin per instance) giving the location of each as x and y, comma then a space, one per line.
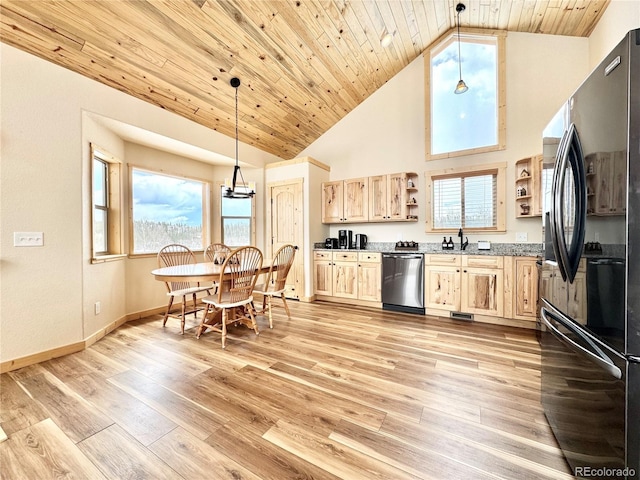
47, 293
619, 17
386, 133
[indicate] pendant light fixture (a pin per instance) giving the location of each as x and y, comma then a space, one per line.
461, 87
235, 188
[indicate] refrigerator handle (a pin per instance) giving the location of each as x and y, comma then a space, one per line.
555, 217
601, 360
576, 160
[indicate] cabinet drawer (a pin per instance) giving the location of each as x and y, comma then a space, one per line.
442, 259
369, 257
345, 256
482, 261
322, 255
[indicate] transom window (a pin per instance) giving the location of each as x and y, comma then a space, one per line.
472, 199
471, 122
168, 209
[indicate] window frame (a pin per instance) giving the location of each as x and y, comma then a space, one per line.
498, 169
501, 94
252, 218
206, 208
113, 208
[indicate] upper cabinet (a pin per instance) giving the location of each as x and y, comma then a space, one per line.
383, 198
345, 201
606, 183
528, 187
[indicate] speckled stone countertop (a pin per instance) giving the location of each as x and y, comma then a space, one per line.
504, 249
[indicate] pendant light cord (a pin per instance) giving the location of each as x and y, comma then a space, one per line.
459, 57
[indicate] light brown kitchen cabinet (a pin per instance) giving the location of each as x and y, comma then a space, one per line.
393, 197
606, 183
345, 275
369, 276
323, 273
345, 201
482, 287
526, 287
348, 275
442, 282
465, 283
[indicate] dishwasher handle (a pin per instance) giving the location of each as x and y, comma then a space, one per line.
402, 255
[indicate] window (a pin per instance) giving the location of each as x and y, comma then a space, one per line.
168, 209
471, 198
472, 122
106, 218
237, 217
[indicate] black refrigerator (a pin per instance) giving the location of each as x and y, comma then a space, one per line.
590, 277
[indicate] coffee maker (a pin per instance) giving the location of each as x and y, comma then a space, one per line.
345, 238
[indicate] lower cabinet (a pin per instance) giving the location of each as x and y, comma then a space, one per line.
465, 283
348, 275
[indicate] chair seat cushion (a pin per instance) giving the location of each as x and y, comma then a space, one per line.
188, 291
226, 301
267, 290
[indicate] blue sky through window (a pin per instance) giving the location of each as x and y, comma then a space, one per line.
468, 120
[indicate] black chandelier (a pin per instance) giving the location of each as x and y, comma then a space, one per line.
237, 187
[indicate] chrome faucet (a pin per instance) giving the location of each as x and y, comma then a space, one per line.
463, 245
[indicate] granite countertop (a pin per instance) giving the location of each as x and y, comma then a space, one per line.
500, 249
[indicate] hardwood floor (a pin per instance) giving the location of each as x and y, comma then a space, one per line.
334, 392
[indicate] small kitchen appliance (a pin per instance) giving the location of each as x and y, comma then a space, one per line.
331, 243
345, 238
361, 241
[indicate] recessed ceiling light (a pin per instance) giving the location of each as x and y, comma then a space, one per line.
386, 39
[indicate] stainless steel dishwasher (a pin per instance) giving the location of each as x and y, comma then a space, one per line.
403, 282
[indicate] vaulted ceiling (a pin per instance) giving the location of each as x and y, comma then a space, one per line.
304, 64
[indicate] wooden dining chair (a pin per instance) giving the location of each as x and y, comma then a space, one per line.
238, 277
173, 255
275, 280
216, 253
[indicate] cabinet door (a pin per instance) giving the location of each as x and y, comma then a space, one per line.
356, 200
442, 287
369, 279
323, 275
377, 198
345, 279
483, 291
332, 197
604, 177
526, 276
397, 196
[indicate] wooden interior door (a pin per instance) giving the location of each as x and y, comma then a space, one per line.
285, 208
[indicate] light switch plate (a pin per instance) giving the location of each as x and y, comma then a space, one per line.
28, 239
521, 236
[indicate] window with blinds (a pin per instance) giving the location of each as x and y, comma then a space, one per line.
466, 199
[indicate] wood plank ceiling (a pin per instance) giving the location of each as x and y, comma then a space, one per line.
304, 64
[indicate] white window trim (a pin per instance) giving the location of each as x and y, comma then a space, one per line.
499, 169
501, 92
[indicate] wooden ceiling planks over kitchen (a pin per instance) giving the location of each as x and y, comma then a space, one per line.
304, 64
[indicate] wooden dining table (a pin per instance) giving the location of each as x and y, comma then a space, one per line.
200, 272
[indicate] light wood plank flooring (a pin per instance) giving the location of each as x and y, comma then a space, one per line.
334, 392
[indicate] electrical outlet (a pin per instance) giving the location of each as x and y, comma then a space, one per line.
96, 308
521, 236
28, 239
